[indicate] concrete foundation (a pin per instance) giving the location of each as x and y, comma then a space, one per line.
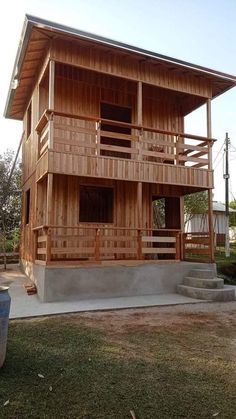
76, 283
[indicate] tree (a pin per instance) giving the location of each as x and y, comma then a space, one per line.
10, 202
232, 216
195, 203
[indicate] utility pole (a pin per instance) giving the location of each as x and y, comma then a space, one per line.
226, 177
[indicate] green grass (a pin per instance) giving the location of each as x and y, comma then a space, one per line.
173, 373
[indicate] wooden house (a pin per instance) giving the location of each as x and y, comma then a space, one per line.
103, 139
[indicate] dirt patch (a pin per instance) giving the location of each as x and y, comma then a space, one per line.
174, 318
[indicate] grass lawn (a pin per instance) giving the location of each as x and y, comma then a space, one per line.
158, 363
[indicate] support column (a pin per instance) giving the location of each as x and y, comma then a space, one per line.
51, 89
49, 199
139, 184
210, 205
139, 122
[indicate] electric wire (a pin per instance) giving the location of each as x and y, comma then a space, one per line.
218, 153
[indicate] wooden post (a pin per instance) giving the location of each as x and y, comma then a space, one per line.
97, 244
48, 244
139, 185
210, 206
35, 255
178, 246
183, 245
139, 249
49, 199
177, 149
51, 85
98, 137
140, 117
51, 95
49, 216
140, 218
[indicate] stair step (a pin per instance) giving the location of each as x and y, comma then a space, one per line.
225, 294
202, 273
212, 283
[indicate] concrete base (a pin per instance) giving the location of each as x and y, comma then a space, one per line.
224, 294
76, 283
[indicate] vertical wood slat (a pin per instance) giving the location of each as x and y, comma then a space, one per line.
48, 245
178, 247
49, 198
140, 117
97, 244
98, 137
177, 150
139, 204
51, 101
35, 254
139, 247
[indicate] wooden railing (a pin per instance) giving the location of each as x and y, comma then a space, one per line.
85, 135
97, 243
196, 247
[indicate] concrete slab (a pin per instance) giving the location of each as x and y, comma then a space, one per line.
23, 305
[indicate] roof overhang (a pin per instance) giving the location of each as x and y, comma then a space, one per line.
34, 42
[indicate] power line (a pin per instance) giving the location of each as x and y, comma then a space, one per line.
219, 161
218, 153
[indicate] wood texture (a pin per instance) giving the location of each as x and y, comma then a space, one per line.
64, 151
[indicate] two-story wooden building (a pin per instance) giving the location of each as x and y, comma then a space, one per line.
103, 139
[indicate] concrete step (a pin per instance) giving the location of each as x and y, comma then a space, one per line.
211, 283
202, 273
225, 294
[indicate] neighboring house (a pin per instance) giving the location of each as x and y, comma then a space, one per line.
103, 139
199, 223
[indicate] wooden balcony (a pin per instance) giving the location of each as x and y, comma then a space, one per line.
79, 145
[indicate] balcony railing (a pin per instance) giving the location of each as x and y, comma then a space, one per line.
98, 243
85, 135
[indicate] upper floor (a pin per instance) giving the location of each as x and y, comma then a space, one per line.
94, 107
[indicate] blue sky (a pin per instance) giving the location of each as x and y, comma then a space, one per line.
202, 32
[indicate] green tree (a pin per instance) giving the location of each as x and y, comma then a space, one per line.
232, 216
10, 203
195, 203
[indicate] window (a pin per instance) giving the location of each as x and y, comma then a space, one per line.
27, 206
28, 121
96, 204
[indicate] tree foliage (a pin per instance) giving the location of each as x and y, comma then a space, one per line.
232, 216
10, 202
195, 203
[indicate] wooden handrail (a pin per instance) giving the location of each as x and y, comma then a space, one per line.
105, 227
47, 112
47, 243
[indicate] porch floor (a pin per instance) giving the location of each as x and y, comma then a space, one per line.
23, 306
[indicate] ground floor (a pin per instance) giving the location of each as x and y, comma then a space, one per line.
71, 219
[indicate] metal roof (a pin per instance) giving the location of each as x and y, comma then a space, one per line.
32, 22
220, 207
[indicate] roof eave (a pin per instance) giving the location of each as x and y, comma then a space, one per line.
32, 21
